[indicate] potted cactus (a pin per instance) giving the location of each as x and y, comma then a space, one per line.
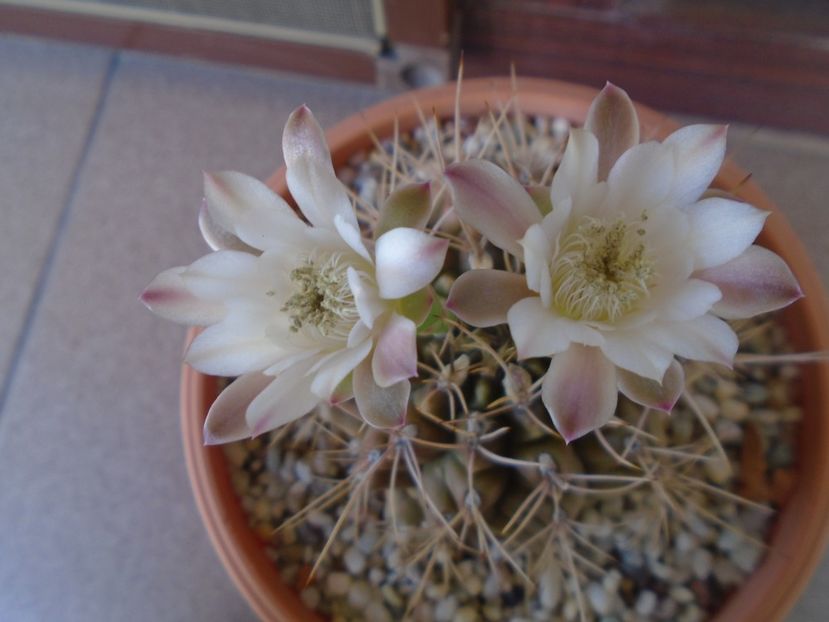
502, 367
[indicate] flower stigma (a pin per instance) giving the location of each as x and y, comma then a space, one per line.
602, 270
322, 298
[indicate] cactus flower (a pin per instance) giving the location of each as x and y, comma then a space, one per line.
630, 269
299, 311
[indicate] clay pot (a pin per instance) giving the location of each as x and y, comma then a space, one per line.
801, 528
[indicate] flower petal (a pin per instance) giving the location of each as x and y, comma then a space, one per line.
226, 418
613, 120
705, 338
227, 274
245, 207
167, 296
482, 298
287, 398
692, 299
490, 200
217, 237
368, 302
351, 235
333, 368
642, 178
407, 260
754, 282
380, 407
722, 229
541, 197
579, 167
408, 206
659, 395
635, 351
537, 331
698, 154
310, 174
579, 391
237, 345
395, 353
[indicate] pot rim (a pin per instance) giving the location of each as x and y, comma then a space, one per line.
801, 528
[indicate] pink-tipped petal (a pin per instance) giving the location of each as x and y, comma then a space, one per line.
350, 233
579, 391
658, 395
235, 346
225, 421
408, 206
637, 353
310, 173
694, 298
482, 298
244, 207
536, 331
333, 368
395, 354
167, 296
705, 338
642, 178
490, 200
287, 398
217, 237
754, 282
698, 154
407, 260
368, 302
579, 167
383, 408
613, 120
721, 230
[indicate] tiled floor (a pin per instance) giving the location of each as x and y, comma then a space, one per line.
100, 160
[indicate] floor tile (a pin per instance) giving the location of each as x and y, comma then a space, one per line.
99, 521
48, 96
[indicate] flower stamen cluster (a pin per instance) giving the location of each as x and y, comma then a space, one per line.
322, 298
601, 271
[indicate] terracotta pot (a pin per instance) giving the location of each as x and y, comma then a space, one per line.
800, 531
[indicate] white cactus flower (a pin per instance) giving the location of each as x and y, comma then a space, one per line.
293, 308
630, 269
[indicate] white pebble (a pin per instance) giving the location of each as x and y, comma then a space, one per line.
550, 587
445, 609
746, 556
735, 410
310, 597
337, 584
303, 472
355, 561
701, 561
682, 594
467, 614
599, 599
646, 603
359, 594
377, 612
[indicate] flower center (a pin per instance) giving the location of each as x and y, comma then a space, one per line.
322, 298
602, 271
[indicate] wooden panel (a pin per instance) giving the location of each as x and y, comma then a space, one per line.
684, 62
221, 47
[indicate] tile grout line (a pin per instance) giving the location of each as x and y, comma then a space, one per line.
57, 235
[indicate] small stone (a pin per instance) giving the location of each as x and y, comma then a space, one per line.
303, 472
367, 540
467, 614
735, 410
376, 576
746, 556
473, 585
611, 581
549, 583
645, 603
685, 542
599, 599
377, 612
359, 594
682, 594
701, 561
354, 560
445, 609
726, 573
337, 584
310, 597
